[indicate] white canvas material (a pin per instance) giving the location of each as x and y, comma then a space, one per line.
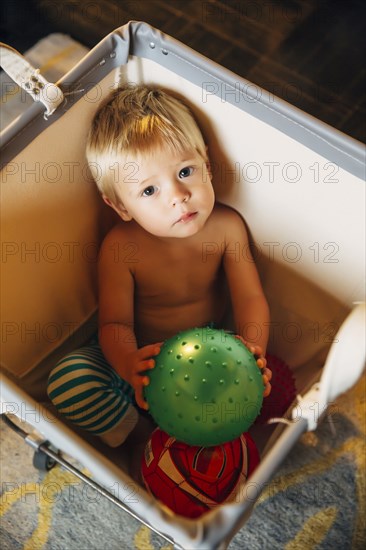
304, 211
302, 244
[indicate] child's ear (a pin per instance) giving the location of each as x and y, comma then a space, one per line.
119, 208
208, 163
208, 166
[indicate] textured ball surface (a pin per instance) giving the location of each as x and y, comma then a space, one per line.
283, 391
206, 387
191, 480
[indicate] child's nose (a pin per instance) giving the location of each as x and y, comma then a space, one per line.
179, 195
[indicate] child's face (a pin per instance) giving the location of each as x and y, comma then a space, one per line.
168, 194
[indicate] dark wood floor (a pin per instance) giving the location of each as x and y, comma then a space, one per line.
311, 53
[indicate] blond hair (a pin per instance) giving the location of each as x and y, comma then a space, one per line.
134, 121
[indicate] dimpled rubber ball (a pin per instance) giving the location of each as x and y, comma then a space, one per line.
283, 392
205, 388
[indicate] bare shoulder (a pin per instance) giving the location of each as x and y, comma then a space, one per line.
120, 244
119, 233
228, 219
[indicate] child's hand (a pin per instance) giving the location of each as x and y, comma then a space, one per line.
262, 364
139, 362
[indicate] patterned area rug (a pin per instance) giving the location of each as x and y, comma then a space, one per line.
316, 500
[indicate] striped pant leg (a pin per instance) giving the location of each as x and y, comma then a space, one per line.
87, 391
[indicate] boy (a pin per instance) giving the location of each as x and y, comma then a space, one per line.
156, 276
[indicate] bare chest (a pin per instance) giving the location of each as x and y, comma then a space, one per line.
173, 276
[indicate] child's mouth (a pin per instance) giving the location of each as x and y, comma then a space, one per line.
187, 217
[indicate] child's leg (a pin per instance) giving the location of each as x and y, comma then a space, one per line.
88, 392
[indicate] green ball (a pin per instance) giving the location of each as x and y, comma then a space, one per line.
206, 387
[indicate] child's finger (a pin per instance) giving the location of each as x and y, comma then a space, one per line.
148, 364
267, 372
255, 350
139, 396
148, 351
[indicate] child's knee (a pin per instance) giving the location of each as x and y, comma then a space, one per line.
88, 392
85, 367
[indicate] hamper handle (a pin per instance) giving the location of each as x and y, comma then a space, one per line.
30, 79
343, 367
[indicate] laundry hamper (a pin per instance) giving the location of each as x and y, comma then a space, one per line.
298, 184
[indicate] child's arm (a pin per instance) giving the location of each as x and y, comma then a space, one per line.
250, 307
116, 318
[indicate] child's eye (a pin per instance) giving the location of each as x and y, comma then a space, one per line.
185, 172
148, 191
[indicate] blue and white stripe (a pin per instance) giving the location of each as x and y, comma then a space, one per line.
86, 390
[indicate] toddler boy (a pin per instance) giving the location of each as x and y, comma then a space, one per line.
155, 275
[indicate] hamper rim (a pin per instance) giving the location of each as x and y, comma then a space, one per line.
137, 38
